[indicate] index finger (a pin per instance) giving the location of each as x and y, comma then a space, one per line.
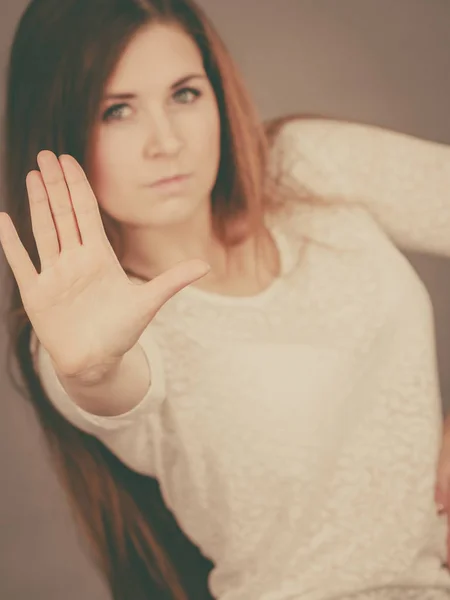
84, 202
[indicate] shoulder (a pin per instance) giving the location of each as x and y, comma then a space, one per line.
319, 152
298, 130
335, 145
325, 151
331, 223
307, 156
346, 225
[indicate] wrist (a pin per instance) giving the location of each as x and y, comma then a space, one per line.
94, 375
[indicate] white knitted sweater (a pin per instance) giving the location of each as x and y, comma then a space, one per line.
295, 434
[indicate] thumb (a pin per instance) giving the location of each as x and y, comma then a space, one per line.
159, 290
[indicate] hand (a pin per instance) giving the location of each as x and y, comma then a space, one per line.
442, 489
82, 306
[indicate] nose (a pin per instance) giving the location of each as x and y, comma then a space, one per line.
162, 138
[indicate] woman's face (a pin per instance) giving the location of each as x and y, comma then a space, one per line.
159, 119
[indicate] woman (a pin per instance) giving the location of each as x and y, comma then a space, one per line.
232, 362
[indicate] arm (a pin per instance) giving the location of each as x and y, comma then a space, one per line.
403, 181
113, 393
120, 409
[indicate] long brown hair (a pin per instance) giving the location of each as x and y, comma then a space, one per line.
61, 58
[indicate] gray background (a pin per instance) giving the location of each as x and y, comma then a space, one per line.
378, 61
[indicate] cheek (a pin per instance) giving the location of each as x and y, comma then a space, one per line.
111, 159
110, 168
204, 143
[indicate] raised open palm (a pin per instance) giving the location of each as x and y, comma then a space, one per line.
82, 306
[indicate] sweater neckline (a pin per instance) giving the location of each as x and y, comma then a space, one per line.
285, 259
284, 255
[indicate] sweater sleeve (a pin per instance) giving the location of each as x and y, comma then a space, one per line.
402, 180
130, 435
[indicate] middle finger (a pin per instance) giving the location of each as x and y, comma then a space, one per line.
59, 198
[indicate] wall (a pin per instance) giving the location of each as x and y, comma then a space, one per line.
376, 61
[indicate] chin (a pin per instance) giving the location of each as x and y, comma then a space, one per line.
175, 210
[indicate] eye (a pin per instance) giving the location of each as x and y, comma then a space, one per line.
111, 113
187, 95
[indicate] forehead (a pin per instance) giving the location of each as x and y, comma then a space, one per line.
157, 55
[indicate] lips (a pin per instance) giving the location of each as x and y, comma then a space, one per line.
166, 180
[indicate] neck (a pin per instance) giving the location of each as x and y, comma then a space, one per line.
245, 268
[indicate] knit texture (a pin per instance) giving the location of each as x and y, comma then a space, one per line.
295, 433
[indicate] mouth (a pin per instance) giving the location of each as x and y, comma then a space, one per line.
176, 179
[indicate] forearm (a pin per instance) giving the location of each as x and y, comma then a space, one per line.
112, 393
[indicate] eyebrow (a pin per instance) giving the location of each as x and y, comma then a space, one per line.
177, 83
